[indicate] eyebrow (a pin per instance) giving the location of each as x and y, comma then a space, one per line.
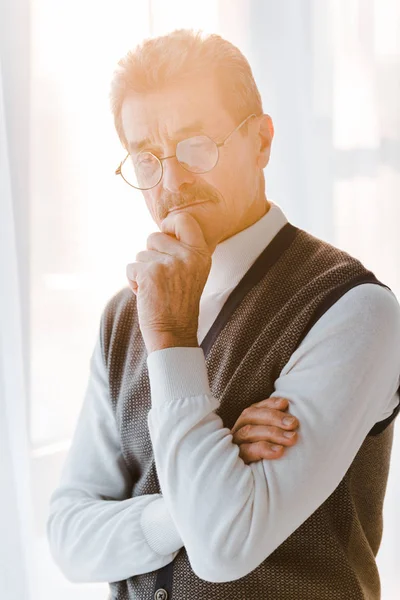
196, 127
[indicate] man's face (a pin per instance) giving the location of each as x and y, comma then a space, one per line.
232, 194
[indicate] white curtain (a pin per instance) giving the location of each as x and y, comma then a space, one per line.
16, 523
329, 75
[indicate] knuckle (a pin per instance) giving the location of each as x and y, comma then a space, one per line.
275, 432
263, 447
271, 415
267, 452
156, 268
246, 452
277, 404
151, 238
262, 402
245, 431
270, 402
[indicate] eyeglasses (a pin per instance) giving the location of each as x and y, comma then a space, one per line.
198, 154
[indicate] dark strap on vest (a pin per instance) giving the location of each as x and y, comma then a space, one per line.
257, 271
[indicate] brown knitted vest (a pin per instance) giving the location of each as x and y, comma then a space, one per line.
331, 556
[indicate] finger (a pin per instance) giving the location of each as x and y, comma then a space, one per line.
259, 433
265, 416
132, 271
166, 243
187, 230
134, 286
151, 256
260, 451
278, 403
137, 270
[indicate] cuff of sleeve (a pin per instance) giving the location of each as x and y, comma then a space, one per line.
159, 529
178, 372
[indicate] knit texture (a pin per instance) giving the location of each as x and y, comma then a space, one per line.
331, 555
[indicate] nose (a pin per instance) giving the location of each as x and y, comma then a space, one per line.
175, 175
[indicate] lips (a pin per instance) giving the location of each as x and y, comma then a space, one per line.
187, 205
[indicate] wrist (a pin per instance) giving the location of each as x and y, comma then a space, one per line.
168, 340
159, 529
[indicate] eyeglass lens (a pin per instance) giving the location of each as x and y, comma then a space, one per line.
197, 154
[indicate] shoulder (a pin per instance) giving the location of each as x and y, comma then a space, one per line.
118, 303
118, 318
363, 324
370, 303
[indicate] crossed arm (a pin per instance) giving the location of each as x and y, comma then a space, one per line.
340, 382
98, 533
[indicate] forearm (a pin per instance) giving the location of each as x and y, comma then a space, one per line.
95, 540
200, 471
96, 530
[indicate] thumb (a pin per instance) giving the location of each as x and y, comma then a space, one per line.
186, 229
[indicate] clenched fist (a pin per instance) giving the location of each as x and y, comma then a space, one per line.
168, 279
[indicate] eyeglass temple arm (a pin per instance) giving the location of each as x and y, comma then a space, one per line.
236, 129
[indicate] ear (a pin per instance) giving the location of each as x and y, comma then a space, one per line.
264, 140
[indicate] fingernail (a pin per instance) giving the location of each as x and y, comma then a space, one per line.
278, 401
288, 420
276, 448
289, 434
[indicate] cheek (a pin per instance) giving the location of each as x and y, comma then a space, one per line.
226, 182
154, 206
221, 179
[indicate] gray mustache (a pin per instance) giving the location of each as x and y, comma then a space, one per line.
184, 199
171, 201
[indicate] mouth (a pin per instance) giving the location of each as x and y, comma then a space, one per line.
187, 205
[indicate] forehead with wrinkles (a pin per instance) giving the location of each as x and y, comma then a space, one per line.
174, 113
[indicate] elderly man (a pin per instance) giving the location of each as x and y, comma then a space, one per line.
170, 490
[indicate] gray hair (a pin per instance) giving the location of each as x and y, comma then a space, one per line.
169, 59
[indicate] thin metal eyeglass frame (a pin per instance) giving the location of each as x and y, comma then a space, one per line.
160, 160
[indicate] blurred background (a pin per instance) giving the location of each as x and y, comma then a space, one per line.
329, 76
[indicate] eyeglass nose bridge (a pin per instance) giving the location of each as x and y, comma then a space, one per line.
163, 170
161, 160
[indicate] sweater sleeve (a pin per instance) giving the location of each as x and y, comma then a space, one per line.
96, 531
340, 381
